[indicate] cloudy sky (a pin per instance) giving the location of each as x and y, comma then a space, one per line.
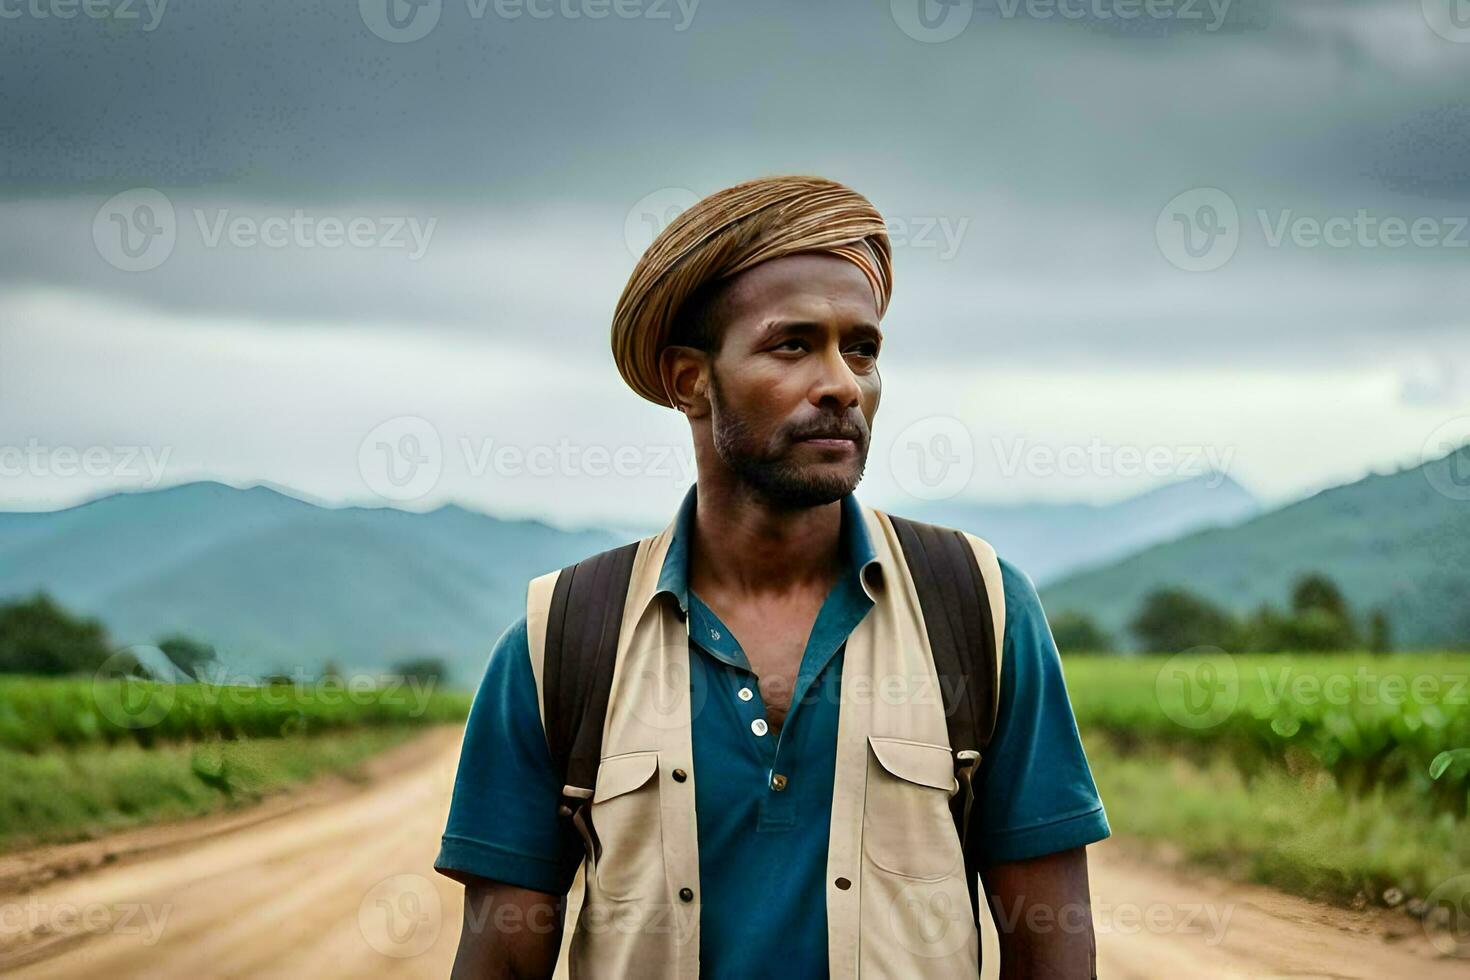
370, 252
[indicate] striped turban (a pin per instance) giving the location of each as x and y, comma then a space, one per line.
725, 234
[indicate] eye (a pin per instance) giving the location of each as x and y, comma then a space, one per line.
866, 349
791, 342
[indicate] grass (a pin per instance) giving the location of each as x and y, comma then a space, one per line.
57, 796
1305, 836
84, 757
39, 714
1370, 721
1306, 772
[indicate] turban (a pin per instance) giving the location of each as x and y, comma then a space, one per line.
723, 235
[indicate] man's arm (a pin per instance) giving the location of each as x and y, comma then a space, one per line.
502, 839
1037, 807
509, 933
1043, 916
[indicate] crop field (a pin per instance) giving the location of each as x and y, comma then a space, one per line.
1329, 775
85, 757
44, 713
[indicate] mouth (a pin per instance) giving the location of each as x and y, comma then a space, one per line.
830, 442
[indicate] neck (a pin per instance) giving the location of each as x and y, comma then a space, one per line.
754, 549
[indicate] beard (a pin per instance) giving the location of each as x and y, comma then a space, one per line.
770, 471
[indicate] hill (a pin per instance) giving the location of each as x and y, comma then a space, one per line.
1051, 540
280, 584
1392, 541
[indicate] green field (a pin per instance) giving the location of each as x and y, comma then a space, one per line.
83, 758
1307, 772
44, 713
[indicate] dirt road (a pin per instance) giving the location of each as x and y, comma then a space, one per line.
337, 883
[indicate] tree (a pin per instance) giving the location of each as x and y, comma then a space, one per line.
1320, 617
428, 669
1380, 632
1076, 632
37, 636
1172, 620
188, 654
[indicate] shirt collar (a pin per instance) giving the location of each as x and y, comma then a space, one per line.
860, 557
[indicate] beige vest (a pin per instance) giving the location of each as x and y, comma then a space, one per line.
897, 902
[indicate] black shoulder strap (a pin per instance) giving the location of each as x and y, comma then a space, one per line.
582, 627
961, 631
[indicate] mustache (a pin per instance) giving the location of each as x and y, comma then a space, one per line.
833, 430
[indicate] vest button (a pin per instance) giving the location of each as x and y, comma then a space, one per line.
686, 894
680, 775
843, 883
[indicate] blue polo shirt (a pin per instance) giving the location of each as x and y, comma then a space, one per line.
763, 852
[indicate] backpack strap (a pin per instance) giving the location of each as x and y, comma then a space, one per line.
960, 623
583, 618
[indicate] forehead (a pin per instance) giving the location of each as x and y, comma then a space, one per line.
811, 285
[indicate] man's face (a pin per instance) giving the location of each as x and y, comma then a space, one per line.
795, 386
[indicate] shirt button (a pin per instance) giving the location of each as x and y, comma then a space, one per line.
778, 782
759, 726
686, 894
745, 694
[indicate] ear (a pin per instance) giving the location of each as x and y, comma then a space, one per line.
685, 373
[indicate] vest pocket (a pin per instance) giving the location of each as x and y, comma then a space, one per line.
628, 857
907, 827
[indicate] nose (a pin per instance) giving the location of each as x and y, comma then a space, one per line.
835, 386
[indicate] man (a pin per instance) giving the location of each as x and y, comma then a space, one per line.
765, 820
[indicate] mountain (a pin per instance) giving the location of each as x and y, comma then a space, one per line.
1399, 541
1051, 540
280, 584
